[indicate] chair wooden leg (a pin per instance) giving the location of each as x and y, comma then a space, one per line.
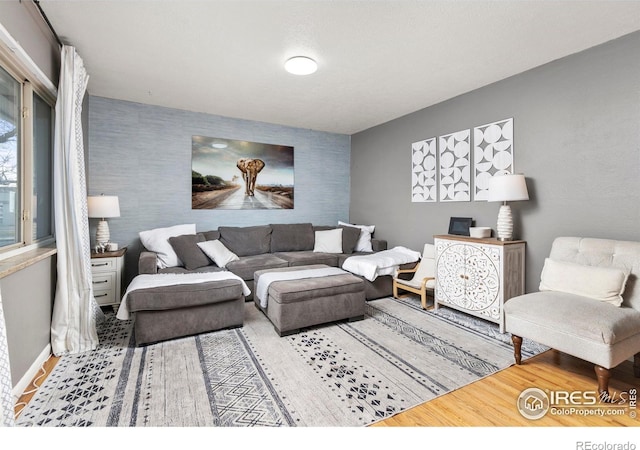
517, 348
636, 365
423, 300
395, 290
603, 376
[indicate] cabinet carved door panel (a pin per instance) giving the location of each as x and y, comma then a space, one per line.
468, 276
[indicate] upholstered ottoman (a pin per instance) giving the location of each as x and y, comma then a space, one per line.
179, 310
303, 296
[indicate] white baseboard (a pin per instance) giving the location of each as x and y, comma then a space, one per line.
28, 377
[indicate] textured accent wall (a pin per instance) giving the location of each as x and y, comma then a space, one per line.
576, 139
142, 154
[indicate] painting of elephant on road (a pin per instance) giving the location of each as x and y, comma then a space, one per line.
232, 174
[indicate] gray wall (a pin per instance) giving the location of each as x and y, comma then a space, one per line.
576, 139
142, 154
27, 295
22, 20
27, 309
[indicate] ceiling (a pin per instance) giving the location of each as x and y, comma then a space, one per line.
378, 60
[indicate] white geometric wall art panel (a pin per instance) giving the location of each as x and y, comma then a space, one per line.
423, 171
492, 154
455, 167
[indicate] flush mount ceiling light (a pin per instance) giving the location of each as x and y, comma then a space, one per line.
300, 65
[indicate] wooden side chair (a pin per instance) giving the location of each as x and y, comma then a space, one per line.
423, 280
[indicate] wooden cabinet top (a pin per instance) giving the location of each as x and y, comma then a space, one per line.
492, 241
119, 252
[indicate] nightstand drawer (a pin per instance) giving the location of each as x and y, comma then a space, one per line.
103, 264
105, 297
103, 281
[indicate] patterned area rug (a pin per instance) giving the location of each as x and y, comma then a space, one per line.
343, 374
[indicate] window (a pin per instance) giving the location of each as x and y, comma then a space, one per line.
42, 167
26, 151
10, 130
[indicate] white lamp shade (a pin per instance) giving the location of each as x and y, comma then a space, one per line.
103, 206
507, 188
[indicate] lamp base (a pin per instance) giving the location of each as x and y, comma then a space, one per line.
505, 223
102, 232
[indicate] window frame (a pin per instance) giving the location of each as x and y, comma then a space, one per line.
30, 84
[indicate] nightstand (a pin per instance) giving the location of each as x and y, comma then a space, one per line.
107, 271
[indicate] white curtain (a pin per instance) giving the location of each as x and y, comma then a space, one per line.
6, 400
75, 311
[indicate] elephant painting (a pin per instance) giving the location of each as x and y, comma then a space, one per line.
250, 169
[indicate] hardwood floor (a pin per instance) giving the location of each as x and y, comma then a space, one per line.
492, 401
37, 381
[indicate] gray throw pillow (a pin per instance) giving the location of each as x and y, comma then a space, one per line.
350, 237
211, 235
186, 247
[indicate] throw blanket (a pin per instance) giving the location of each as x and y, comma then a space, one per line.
147, 281
265, 280
385, 262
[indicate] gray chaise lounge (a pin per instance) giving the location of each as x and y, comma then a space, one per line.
182, 310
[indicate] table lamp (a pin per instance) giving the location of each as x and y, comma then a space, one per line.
103, 207
506, 188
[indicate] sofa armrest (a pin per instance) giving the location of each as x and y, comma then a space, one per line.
148, 262
378, 245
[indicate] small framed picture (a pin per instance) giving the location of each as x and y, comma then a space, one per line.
460, 225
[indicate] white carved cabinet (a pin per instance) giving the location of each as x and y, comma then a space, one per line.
477, 276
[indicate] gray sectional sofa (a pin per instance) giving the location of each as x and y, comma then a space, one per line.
266, 247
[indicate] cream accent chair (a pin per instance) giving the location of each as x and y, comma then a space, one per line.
423, 279
588, 305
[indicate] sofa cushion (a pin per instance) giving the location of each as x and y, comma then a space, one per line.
246, 266
184, 295
291, 237
186, 247
605, 284
308, 257
574, 315
246, 241
328, 241
293, 291
218, 253
157, 240
205, 269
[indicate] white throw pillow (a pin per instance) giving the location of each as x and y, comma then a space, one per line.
157, 240
218, 253
600, 283
364, 240
328, 241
